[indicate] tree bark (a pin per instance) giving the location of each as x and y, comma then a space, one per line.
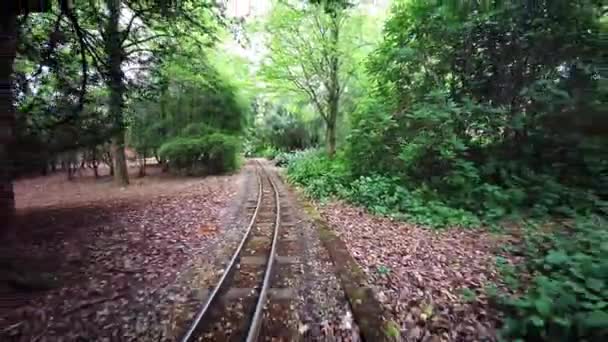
115, 81
8, 50
333, 100
95, 162
142, 166
121, 174
331, 139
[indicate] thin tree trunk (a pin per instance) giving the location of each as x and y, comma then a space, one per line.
70, 172
121, 174
142, 166
335, 90
116, 84
95, 163
8, 46
331, 139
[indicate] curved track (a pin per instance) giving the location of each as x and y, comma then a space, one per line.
245, 320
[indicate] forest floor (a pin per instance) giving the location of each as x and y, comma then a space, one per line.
94, 261
88, 251
431, 283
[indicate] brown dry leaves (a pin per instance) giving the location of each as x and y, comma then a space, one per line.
420, 275
114, 253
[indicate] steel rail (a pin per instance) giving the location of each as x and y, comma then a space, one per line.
214, 293
254, 327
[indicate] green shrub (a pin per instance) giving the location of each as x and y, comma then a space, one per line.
568, 298
222, 152
182, 153
198, 130
268, 152
321, 176
384, 195
282, 159
215, 153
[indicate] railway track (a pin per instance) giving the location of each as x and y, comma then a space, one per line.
234, 308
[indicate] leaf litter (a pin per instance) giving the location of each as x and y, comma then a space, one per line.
114, 255
420, 275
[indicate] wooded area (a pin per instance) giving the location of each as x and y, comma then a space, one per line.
475, 115
83, 80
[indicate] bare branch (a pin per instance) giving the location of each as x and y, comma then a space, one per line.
147, 39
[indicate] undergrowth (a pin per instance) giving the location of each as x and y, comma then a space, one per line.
322, 177
567, 297
561, 288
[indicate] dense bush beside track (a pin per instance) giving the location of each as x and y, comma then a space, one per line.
567, 298
210, 154
475, 117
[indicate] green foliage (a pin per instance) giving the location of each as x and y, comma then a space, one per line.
386, 196
568, 298
321, 176
210, 154
194, 122
457, 114
268, 152
279, 129
468, 295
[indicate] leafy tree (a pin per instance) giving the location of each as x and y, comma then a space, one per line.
190, 114
278, 127
470, 104
307, 56
103, 41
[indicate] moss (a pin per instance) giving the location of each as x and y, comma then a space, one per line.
366, 309
391, 330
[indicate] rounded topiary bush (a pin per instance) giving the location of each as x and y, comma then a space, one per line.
197, 130
211, 154
222, 152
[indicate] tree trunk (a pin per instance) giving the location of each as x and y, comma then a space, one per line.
330, 136
335, 88
115, 82
142, 166
95, 163
121, 174
70, 174
8, 46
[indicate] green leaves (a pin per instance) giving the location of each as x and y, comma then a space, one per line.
596, 320
569, 291
556, 258
214, 153
543, 306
